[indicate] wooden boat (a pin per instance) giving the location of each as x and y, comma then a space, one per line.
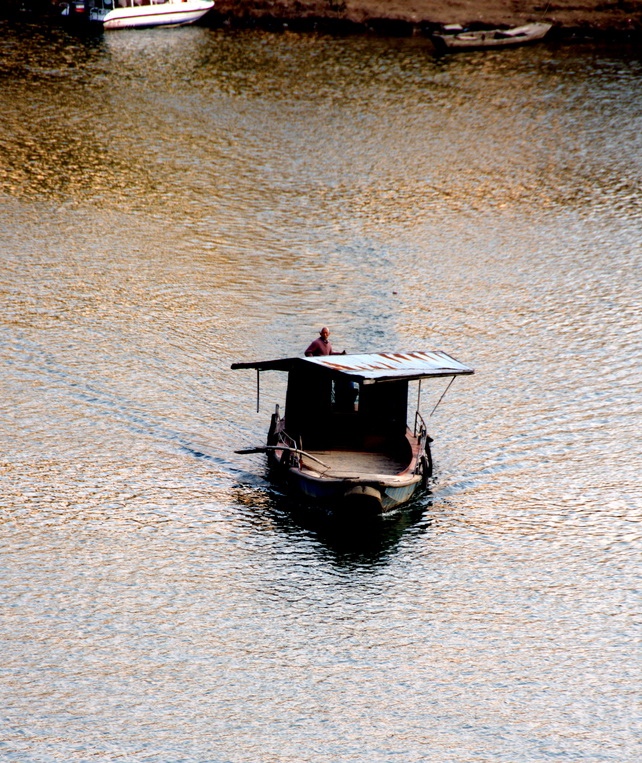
454, 36
124, 14
344, 439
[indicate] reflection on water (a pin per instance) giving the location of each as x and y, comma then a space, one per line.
351, 542
172, 201
104, 110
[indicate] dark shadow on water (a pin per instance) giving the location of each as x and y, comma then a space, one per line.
356, 541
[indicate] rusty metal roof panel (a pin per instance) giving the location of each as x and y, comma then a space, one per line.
383, 366
393, 365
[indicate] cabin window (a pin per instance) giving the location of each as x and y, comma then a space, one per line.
344, 397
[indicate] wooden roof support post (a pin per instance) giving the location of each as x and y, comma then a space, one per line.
258, 389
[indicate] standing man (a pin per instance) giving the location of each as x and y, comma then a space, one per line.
322, 346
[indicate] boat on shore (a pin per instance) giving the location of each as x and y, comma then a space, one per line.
456, 37
127, 14
343, 440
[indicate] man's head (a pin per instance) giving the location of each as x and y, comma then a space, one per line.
325, 332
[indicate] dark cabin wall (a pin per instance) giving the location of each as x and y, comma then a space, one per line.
384, 407
308, 405
323, 415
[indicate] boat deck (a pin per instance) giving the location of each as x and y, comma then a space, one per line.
348, 463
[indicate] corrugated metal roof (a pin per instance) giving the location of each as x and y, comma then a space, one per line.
376, 367
394, 365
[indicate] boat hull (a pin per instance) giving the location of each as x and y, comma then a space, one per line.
164, 14
373, 493
372, 496
491, 38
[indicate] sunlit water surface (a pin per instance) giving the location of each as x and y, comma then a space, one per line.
174, 201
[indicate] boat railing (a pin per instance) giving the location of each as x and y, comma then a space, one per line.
423, 467
291, 444
286, 439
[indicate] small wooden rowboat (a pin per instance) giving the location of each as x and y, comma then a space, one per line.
344, 439
454, 36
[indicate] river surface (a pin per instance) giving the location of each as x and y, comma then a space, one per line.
175, 201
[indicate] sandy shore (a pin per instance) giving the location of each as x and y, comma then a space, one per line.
415, 16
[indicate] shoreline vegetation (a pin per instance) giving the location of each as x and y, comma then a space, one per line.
614, 19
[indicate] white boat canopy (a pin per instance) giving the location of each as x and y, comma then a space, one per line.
379, 367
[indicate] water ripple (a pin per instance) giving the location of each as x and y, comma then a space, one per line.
172, 203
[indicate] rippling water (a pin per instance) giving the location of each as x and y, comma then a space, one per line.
174, 201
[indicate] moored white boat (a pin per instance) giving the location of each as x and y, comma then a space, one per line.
126, 14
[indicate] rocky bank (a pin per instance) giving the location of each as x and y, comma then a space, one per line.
598, 17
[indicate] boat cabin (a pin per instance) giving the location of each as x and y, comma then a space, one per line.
327, 410
353, 402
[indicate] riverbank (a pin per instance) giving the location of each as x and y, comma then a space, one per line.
597, 18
